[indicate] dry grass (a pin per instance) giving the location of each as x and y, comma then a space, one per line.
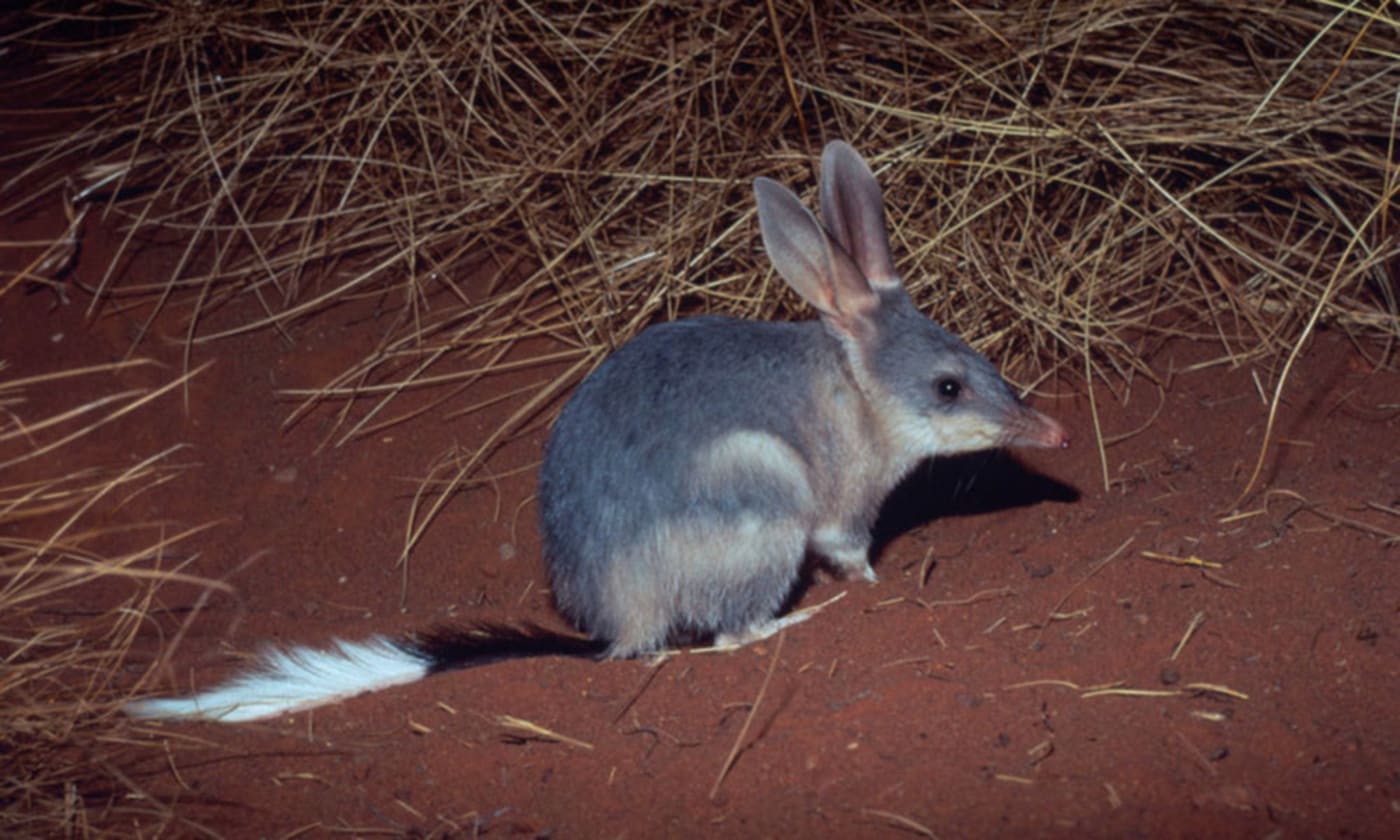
1069, 185
75, 590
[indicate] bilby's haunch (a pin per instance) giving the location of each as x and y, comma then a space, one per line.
691, 474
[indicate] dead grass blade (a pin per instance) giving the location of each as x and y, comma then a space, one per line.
77, 584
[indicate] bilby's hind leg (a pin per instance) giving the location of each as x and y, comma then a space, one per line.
726, 579
750, 532
729, 562
744, 579
847, 550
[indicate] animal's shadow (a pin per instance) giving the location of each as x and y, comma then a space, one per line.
964, 485
956, 485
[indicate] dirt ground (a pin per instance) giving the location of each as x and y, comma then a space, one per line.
959, 697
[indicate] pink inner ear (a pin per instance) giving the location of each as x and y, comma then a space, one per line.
846, 285
809, 259
853, 208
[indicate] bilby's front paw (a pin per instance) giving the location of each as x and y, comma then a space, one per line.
865, 572
847, 551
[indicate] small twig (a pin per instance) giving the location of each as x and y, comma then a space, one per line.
652, 672
748, 721
1176, 560
534, 730
787, 70
1196, 621
900, 821
1093, 570
983, 595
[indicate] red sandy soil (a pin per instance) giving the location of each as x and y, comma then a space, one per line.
951, 699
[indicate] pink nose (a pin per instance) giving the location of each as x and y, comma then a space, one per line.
1041, 430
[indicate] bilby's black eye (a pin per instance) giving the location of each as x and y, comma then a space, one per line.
948, 388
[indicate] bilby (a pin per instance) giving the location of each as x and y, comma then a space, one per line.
692, 473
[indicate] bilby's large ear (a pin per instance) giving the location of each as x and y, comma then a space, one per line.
855, 214
811, 261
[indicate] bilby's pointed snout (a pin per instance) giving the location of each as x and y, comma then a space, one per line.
1040, 430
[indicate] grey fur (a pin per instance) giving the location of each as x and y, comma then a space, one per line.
690, 474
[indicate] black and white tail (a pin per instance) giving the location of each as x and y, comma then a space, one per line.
303, 677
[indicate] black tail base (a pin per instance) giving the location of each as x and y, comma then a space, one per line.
449, 648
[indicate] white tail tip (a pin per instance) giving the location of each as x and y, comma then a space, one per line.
294, 680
